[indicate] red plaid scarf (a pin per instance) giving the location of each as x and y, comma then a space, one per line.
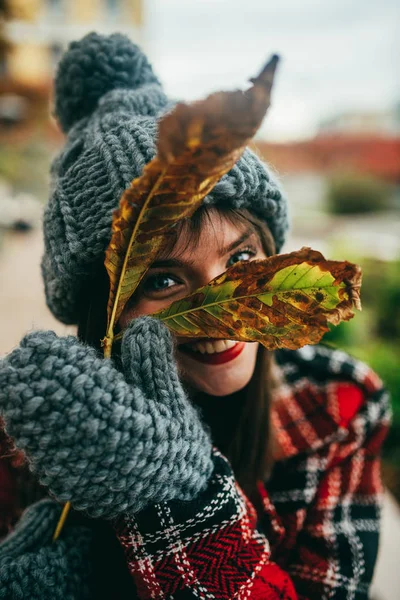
318, 537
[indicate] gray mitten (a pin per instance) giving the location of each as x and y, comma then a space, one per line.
109, 442
33, 567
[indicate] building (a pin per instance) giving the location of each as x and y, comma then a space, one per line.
375, 155
37, 31
33, 35
369, 123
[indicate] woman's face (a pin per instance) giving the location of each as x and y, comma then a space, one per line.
215, 367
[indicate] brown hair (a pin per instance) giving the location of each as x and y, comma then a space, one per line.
242, 432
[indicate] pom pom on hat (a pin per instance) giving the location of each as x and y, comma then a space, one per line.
92, 67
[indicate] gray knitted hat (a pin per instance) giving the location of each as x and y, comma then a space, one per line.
108, 100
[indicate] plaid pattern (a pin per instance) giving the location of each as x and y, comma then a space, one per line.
18, 487
318, 536
10, 463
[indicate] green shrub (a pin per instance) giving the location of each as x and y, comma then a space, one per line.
385, 360
388, 306
25, 167
380, 292
351, 193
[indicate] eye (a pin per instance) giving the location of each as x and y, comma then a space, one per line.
158, 283
241, 256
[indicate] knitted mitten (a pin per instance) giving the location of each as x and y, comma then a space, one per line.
33, 567
109, 442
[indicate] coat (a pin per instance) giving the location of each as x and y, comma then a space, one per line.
318, 533
318, 536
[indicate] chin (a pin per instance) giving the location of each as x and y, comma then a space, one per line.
223, 379
221, 388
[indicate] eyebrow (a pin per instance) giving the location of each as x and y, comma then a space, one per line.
168, 263
245, 235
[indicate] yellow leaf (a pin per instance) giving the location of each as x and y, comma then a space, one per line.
285, 301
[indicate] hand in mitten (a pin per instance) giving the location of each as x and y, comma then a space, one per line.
109, 442
33, 567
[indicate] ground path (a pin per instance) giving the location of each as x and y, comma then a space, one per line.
22, 303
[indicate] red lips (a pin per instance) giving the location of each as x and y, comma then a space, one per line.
218, 358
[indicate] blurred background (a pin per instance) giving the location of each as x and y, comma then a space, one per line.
332, 134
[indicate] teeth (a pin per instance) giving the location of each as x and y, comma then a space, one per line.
219, 346
230, 344
212, 347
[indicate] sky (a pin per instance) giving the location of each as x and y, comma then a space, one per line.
337, 55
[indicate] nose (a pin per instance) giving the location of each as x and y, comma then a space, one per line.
206, 270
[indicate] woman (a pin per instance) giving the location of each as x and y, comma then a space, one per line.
293, 512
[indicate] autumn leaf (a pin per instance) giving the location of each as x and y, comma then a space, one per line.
285, 301
197, 144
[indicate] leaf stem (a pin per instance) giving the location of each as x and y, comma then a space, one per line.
61, 520
154, 189
232, 298
107, 343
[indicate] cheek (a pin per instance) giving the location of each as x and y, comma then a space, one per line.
142, 308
